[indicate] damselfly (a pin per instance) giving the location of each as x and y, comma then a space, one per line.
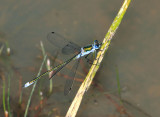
67, 48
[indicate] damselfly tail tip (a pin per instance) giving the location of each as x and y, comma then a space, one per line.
27, 84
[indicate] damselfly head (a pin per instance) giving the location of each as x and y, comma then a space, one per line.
96, 44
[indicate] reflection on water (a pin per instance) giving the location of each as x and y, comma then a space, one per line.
134, 50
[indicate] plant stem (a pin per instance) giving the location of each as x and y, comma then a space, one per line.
20, 91
94, 68
8, 104
29, 100
48, 68
4, 104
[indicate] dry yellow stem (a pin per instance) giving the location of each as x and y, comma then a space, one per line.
94, 68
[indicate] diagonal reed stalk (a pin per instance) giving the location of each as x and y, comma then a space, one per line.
8, 97
29, 100
4, 102
94, 68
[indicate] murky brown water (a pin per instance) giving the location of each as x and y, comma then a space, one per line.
134, 51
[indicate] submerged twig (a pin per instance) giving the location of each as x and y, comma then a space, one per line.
94, 68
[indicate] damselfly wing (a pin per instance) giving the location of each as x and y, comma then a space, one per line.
67, 47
